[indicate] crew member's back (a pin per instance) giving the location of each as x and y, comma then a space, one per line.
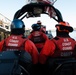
16, 41
38, 37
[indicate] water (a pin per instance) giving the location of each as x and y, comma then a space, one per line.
72, 34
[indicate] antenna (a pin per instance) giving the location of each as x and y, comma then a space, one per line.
54, 1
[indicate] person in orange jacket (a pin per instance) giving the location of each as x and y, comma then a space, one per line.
17, 41
60, 46
37, 37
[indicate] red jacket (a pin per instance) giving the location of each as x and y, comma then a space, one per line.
62, 47
15, 42
38, 38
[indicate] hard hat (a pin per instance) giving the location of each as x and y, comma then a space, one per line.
36, 26
64, 26
17, 24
